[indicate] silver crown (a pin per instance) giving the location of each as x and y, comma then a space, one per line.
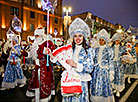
103, 34
117, 36
79, 26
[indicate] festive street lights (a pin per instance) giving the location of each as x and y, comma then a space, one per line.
119, 31
67, 20
67, 10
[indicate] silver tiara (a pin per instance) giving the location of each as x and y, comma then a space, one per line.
79, 26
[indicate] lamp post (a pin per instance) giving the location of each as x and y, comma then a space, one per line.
22, 4
67, 20
119, 31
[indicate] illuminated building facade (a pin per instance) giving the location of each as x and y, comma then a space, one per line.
100, 23
32, 16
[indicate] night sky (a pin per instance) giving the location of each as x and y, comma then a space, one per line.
124, 12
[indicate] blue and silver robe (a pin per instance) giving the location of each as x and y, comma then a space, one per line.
13, 74
100, 86
131, 68
85, 66
118, 82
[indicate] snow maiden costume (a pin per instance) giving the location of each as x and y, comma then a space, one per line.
118, 82
84, 59
130, 67
100, 86
13, 73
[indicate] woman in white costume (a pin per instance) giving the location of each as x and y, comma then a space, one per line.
100, 86
82, 59
13, 74
118, 82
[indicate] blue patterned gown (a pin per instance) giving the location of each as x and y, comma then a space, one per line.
85, 61
100, 86
131, 68
118, 82
13, 73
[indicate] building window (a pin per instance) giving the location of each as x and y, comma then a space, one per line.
12, 0
56, 20
32, 27
25, 1
15, 11
32, 14
16, 0
31, 2
45, 17
45, 29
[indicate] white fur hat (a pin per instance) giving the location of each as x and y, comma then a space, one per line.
39, 31
117, 36
103, 34
79, 26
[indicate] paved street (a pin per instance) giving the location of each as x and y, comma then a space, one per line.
18, 94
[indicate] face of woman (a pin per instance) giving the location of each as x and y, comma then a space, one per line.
117, 42
78, 38
13, 42
102, 41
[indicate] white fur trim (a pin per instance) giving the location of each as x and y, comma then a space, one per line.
118, 88
102, 99
30, 94
111, 76
45, 99
37, 95
79, 67
53, 60
86, 77
37, 62
52, 92
12, 85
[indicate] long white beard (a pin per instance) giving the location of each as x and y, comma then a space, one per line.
37, 40
34, 48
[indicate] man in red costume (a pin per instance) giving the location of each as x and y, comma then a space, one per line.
46, 71
42, 80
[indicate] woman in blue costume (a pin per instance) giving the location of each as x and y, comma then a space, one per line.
130, 68
118, 50
103, 74
82, 59
13, 74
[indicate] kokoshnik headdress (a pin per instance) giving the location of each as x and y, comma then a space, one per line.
103, 34
79, 26
129, 38
117, 36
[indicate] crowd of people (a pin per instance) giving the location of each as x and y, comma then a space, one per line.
102, 62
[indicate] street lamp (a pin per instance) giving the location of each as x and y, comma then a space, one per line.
67, 20
67, 10
119, 31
